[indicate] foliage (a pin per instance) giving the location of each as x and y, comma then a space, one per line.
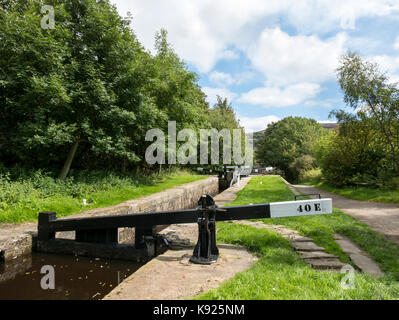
300, 165
367, 146
87, 89
312, 176
222, 116
354, 154
287, 140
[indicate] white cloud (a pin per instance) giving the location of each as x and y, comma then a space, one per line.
223, 92
327, 121
229, 55
321, 16
326, 103
281, 97
256, 124
202, 31
223, 79
388, 64
286, 59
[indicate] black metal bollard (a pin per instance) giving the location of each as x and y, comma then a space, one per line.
206, 251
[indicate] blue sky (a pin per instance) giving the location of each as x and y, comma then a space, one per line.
272, 58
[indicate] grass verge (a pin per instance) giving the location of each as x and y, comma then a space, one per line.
281, 274
374, 194
365, 193
24, 198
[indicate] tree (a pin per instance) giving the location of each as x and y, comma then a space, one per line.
287, 140
353, 154
175, 89
79, 89
365, 86
85, 93
221, 117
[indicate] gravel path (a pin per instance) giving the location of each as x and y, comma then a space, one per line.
382, 217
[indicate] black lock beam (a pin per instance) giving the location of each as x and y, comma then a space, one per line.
104, 229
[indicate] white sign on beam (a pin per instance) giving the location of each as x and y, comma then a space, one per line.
300, 208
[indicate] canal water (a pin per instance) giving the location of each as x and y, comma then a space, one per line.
76, 278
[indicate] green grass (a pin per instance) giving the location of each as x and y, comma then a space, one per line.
281, 274
374, 194
365, 193
21, 199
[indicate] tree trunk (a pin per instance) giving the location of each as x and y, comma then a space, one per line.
67, 165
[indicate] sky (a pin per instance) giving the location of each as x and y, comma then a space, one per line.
271, 58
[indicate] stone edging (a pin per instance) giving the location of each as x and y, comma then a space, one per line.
359, 257
312, 254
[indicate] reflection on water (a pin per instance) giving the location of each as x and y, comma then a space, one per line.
77, 278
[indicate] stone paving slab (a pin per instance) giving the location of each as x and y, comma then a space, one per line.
359, 257
297, 238
315, 255
325, 263
171, 276
349, 247
307, 246
366, 264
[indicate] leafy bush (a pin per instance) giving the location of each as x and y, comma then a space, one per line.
392, 182
352, 155
299, 166
313, 176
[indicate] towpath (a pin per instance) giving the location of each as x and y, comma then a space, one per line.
382, 217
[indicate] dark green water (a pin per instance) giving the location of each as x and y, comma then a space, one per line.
76, 278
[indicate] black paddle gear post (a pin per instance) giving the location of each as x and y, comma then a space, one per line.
206, 251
